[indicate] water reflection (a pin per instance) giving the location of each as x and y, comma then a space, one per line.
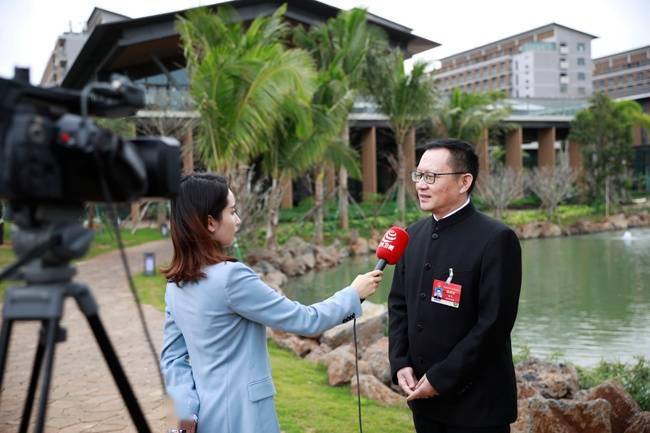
587, 297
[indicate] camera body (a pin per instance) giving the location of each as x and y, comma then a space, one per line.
52, 153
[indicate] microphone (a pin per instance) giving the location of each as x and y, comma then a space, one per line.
391, 247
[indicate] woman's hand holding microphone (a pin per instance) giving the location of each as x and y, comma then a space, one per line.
366, 284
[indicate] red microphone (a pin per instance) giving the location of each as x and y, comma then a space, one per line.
391, 247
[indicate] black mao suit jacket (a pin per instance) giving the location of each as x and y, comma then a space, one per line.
465, 352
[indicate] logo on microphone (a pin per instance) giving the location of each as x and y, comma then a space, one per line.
387, 241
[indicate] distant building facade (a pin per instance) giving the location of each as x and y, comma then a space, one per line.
69, 44
552, 61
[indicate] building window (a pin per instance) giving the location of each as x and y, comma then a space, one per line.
581, 61
564, 64
582, 91
581, 46
581, 76
563, 88
564, 48
564, 78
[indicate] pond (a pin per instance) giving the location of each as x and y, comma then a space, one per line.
583, 298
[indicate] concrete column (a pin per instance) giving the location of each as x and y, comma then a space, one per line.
483, 154
187, 152
575, 155
546, 150
287, 193
514, 155
369, 162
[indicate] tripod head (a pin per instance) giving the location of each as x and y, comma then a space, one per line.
46, 238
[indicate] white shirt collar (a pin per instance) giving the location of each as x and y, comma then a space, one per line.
453, 211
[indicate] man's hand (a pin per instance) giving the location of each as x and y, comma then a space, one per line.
406, 380
422, 390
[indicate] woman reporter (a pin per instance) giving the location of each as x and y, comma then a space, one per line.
214, 357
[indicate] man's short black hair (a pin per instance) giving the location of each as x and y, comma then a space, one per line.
463, 158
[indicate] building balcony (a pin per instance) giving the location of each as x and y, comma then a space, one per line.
168, 98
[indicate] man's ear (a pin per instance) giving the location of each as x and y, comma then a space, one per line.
466, 182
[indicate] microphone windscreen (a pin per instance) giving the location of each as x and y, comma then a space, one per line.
392, 245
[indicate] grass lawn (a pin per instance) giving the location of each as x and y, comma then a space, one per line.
305, 402
104, 242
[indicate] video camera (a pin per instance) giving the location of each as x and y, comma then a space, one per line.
51, 153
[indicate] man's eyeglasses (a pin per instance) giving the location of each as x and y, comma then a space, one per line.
429, 177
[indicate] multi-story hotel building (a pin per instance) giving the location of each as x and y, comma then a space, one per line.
623, 74
552, 61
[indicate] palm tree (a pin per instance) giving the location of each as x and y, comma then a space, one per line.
407, 99
241, 77
466, 115
339, 48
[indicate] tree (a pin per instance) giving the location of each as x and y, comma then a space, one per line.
466, 115
339, 49
552, 185
407, 99
499, 188
604, 131
242, 76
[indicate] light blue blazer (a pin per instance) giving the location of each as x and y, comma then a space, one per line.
214, 357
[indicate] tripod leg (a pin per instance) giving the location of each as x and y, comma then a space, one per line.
33, 381
5, 334
50, 340
118, 374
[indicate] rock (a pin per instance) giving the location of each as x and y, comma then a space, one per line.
275, 279
340, 365
326, 257
263, 267
254, 257
307, 260
539, 415
299, 346
360, 247
640, 423
550, 230
618, 221
317, 354
376, 355
372, 388
550, 380
623, 405
526, 390
297, 246
291, 266
370, 327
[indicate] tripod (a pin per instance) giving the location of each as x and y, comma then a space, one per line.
49, 247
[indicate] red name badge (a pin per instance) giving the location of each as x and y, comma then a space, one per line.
446, 293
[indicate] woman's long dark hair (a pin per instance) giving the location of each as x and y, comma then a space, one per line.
200, 195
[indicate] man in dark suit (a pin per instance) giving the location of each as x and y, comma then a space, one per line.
451, 354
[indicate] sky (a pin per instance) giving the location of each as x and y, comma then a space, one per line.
29, 28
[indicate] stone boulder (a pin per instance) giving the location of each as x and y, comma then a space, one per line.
539, 415
275, 279
307, 260
340, 365
317, 354
618, 221
549, 379
297, 246
360, 247
539, 229
298, 345
639, 220
371, 327
624, 408
640, 423
327, 257
262, 255
376, 355
373, 389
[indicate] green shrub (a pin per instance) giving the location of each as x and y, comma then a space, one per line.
635, 378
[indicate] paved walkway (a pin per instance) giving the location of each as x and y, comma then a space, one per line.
83, 396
